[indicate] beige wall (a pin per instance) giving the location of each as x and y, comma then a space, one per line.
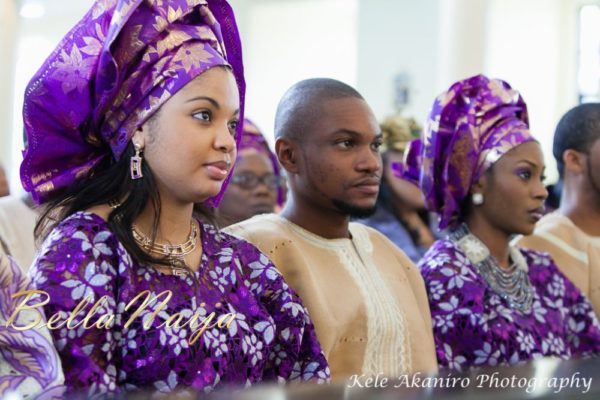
8, 33
398, 38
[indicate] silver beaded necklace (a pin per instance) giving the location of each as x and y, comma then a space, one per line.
511, 284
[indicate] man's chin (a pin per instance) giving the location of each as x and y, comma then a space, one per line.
263, 210
354, 211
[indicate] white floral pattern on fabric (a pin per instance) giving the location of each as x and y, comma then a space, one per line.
269, 337
473, 326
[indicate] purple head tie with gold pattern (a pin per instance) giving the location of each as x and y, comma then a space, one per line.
470, 127
111, 73
410, 167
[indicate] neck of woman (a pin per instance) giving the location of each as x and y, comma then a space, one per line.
173, 223
496, 240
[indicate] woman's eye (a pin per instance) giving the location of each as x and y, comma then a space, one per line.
525, 175
377, 145
202, 116
233, 126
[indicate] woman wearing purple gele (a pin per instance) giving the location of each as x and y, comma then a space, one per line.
257, 185
131, 121
493, 303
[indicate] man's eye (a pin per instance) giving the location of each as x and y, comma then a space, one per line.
202, 115
346, 144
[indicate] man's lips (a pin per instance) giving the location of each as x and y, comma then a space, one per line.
368, 186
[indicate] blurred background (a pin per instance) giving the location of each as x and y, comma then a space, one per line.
399, 54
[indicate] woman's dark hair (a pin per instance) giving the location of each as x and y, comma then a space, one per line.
110, 181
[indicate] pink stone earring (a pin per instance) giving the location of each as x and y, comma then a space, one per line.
135, 165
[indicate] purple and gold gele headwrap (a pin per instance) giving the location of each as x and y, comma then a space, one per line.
410, 167
111, 73
470, 127
398, 134
252, 138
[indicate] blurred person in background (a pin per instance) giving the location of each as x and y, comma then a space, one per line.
571, 234
17, 223
400, 213
4, 186
29, 364
257, 185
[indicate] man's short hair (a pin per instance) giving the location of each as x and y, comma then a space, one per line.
578, 129
301, 106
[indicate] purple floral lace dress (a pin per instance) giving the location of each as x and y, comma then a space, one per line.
473, 326
270, 339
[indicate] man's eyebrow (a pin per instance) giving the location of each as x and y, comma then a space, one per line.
345, 131
352, 132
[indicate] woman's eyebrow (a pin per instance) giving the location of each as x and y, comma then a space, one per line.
209, 99
533, 164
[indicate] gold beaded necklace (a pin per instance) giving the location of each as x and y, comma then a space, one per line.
175, 253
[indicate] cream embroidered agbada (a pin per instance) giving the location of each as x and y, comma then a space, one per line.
575, 253
366, 298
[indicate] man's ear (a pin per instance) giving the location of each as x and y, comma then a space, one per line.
287, 151
573, 161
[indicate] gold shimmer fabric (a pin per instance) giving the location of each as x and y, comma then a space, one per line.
576, 253
366, 298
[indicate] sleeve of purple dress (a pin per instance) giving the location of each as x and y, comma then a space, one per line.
297, 354
456, 303
583, 328
582, 325
74, 265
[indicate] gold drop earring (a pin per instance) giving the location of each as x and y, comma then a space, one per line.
135, 164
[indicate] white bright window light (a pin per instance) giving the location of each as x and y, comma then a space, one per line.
589, 53
32, 9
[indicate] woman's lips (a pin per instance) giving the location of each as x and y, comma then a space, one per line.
537, 214
217, 169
